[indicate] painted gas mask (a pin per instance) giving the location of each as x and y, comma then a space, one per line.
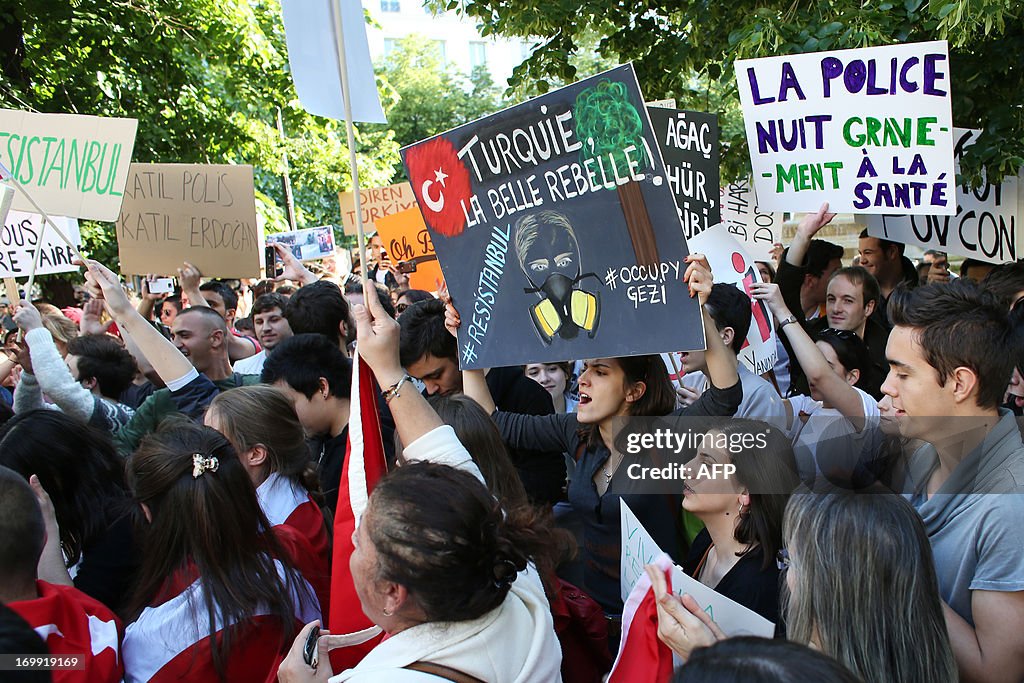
550, 258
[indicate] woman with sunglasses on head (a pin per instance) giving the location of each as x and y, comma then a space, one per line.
409, 297
613, 388
833, 428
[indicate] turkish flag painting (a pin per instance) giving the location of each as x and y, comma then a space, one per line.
441, 183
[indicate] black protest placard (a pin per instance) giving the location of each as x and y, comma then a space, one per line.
689, 147
557, 233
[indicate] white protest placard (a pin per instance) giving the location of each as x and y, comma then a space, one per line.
19, 240
732, 265
307, 244
639, 549
986, 226
868, 130
756, 229
201, 213
313, 57
72, 165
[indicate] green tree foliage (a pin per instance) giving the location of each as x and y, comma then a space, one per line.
424, 97
203, 77
686, 49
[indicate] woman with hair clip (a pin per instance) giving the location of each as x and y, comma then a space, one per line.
217, 598
834, 428
78, 467
612, 388
862, 589
742, 514
438, 563
262, 426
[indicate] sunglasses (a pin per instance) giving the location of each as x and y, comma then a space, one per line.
840, 334
401, 308
782, 560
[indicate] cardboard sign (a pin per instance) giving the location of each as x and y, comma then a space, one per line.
986, 226
867, 130
406, 239
307, 244
19, 240
72, 165
639, 549
313, 58
732, 265
377, 202
556, 230
203, 214
690, 149
755, 229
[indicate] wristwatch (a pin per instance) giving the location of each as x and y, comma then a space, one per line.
787, 321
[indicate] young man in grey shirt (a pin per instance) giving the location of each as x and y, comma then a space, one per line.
949, 366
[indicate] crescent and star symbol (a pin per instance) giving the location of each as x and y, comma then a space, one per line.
434, 205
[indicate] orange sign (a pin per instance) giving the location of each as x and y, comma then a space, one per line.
407, 241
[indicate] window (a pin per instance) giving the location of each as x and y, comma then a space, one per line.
477, 54
525, 50
390, 6
389, 46
442, 51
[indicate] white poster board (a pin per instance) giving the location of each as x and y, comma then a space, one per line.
639, 549
19, 239
756, 229
72, 165
868, 130
986, 226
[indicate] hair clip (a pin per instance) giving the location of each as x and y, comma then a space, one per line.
202, 464
505, 573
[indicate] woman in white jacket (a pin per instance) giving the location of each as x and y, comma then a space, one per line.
438, 565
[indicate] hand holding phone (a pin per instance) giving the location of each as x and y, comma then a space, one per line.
310, 653
273, 264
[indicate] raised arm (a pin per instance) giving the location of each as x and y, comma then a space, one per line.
819, 373
792, 268
165, 358
721, 362
418, 425
48, 368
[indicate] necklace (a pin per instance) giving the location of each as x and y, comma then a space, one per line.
608, 473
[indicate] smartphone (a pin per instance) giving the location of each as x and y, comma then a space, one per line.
406, 266
310, 653
273, 266
161, 285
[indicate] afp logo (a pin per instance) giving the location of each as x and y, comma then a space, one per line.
441, 184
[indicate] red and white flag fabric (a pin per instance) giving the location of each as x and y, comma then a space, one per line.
72, 623
364, 466
642, 656
171, 641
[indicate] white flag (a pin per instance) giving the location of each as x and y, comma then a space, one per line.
309, 30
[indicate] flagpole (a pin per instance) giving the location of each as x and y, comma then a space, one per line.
339, 44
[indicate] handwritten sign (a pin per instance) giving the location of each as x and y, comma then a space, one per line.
406, 239
19, 241
756, 229
377, 202
556, 230
639, 549
690, 149
867, 130
732, 265
307, 244
203, 214
72, 165
986, 225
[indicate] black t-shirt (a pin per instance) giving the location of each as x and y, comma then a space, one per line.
109, 565
542, 472
747, 583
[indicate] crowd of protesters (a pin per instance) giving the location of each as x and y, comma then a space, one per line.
170, 467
